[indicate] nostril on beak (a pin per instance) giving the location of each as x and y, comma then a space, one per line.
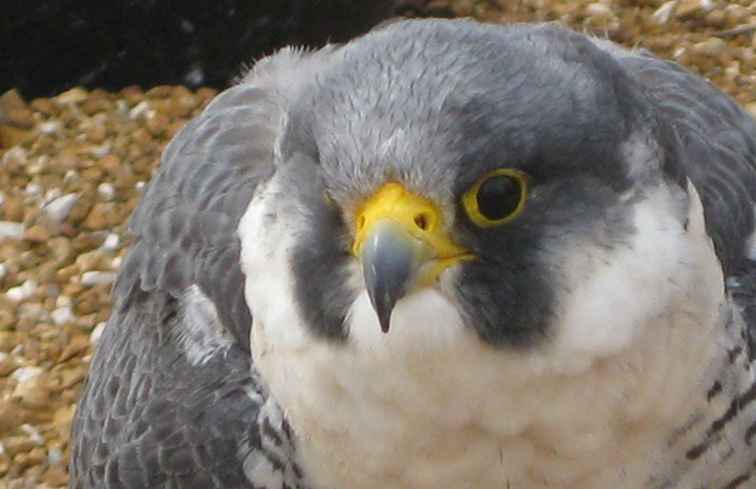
422, 221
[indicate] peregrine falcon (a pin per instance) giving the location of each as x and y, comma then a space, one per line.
445, 254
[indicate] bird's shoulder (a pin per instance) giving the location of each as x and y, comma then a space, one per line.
186, 225
173, 399
150, 418
713, 141
184, 228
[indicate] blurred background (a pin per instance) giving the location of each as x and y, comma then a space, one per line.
90, 93
111, 45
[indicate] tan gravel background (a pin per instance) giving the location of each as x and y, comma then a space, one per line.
72, 168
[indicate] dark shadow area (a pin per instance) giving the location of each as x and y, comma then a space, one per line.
50, 46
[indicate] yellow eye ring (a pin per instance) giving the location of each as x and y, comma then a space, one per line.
512, 203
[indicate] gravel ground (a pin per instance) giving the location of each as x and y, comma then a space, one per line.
72, 168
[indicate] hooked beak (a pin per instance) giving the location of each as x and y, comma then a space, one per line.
402, 244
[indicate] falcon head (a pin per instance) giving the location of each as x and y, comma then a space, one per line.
476, 233
510, 183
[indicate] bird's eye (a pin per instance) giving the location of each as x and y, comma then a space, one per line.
497, 198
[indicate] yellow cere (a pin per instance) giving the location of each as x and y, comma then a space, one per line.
422, 221
470, 198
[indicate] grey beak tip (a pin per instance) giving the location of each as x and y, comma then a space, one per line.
384, 316
385, 323
388, 267
384, 307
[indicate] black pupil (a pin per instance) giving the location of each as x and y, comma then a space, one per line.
498, 197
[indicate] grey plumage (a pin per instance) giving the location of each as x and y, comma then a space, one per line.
155, 421
420, 102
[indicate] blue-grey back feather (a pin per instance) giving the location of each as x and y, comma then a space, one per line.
148, 417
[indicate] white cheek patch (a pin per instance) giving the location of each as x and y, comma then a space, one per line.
201, 333
614, 294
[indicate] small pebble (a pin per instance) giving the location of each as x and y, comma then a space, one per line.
37, 234
50, 127
142, 109
52, 193
25, 374
11, 230
59, 208
122, 108
106, 191
598, 9
72, 96
665, 12
77, 345
71, 177
7, 364
712, 47
22, 292
91, 260
32, 310
92, 278
100, 151
111, 242
63, 315
694, 8
17, 444
33, 433
33, 393
33, 190
54, 456
96, 333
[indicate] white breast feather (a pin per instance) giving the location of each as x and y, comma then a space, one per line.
429, 405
